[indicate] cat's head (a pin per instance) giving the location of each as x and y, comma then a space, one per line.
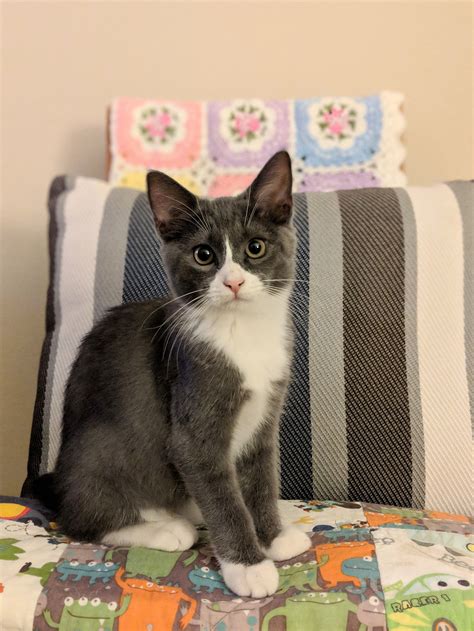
228, 252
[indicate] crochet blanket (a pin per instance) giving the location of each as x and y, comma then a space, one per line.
217, 147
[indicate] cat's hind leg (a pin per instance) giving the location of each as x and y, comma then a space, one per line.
159, 529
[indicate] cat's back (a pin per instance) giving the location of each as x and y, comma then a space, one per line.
122, 335
116, 368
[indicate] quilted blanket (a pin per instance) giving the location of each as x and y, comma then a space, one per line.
370, 567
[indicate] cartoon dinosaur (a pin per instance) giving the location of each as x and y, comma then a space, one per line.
153, 606
371, 612
301, 576
449, 526
335, 554
94, 571
152, 563
84, 552
42, 572
410, 513
434, 602
204, 577
237, 613
8, 551
87, 615
366, 571
348, 534
313, 611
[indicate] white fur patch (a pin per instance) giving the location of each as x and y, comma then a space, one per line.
290, 543
256, 581
167, 532
251, 331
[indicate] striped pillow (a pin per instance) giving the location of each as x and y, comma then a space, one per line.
378, 408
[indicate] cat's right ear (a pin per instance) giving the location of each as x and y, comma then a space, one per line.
173, 205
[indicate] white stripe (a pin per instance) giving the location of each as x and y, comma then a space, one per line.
83, 212
442, 364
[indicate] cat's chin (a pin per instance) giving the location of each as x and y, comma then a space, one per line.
234, 303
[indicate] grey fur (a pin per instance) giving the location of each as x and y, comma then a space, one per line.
149, 411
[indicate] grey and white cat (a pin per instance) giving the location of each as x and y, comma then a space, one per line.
172, 406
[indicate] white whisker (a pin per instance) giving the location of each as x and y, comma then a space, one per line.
168, 303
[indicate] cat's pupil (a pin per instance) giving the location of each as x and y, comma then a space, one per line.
203, 254
255, 248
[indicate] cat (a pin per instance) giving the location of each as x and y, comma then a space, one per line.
172, 406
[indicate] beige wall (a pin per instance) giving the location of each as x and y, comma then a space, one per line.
63, 62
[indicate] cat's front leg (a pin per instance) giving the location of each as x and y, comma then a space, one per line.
257, 471
210, 478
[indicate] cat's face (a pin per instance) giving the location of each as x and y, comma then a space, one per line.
232, 251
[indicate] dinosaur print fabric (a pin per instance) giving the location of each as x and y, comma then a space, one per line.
370, 568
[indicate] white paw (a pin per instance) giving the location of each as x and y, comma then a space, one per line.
257, 580
290, 543
172, 535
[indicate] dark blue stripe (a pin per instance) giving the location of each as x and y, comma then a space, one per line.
144, 274
295, 429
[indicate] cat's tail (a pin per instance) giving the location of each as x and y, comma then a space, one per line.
44, 490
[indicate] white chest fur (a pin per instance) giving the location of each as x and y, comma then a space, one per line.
257, 344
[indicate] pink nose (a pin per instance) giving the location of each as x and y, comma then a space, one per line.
234, 285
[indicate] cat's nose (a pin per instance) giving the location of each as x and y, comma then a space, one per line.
234, 285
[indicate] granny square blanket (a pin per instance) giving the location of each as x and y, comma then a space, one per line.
217, 147
370, 568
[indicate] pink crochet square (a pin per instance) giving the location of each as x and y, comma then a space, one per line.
157, 134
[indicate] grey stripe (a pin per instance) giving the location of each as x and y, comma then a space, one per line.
464, 192
326, 352
411, 350
375, 376
110, 263
61, 229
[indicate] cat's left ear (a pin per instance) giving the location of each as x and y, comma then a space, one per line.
269, 195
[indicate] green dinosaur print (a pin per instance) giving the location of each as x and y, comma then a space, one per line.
42, 572
153, 563
85, 615
301, 576
316, 611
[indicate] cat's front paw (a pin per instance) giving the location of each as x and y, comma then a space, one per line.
257, 580
288, 544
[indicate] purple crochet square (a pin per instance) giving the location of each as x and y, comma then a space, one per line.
338, 180
246, 133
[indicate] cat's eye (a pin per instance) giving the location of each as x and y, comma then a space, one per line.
203, 254
255, 248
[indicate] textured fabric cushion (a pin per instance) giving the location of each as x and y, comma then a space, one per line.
217, 147
378, 407
370, 567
